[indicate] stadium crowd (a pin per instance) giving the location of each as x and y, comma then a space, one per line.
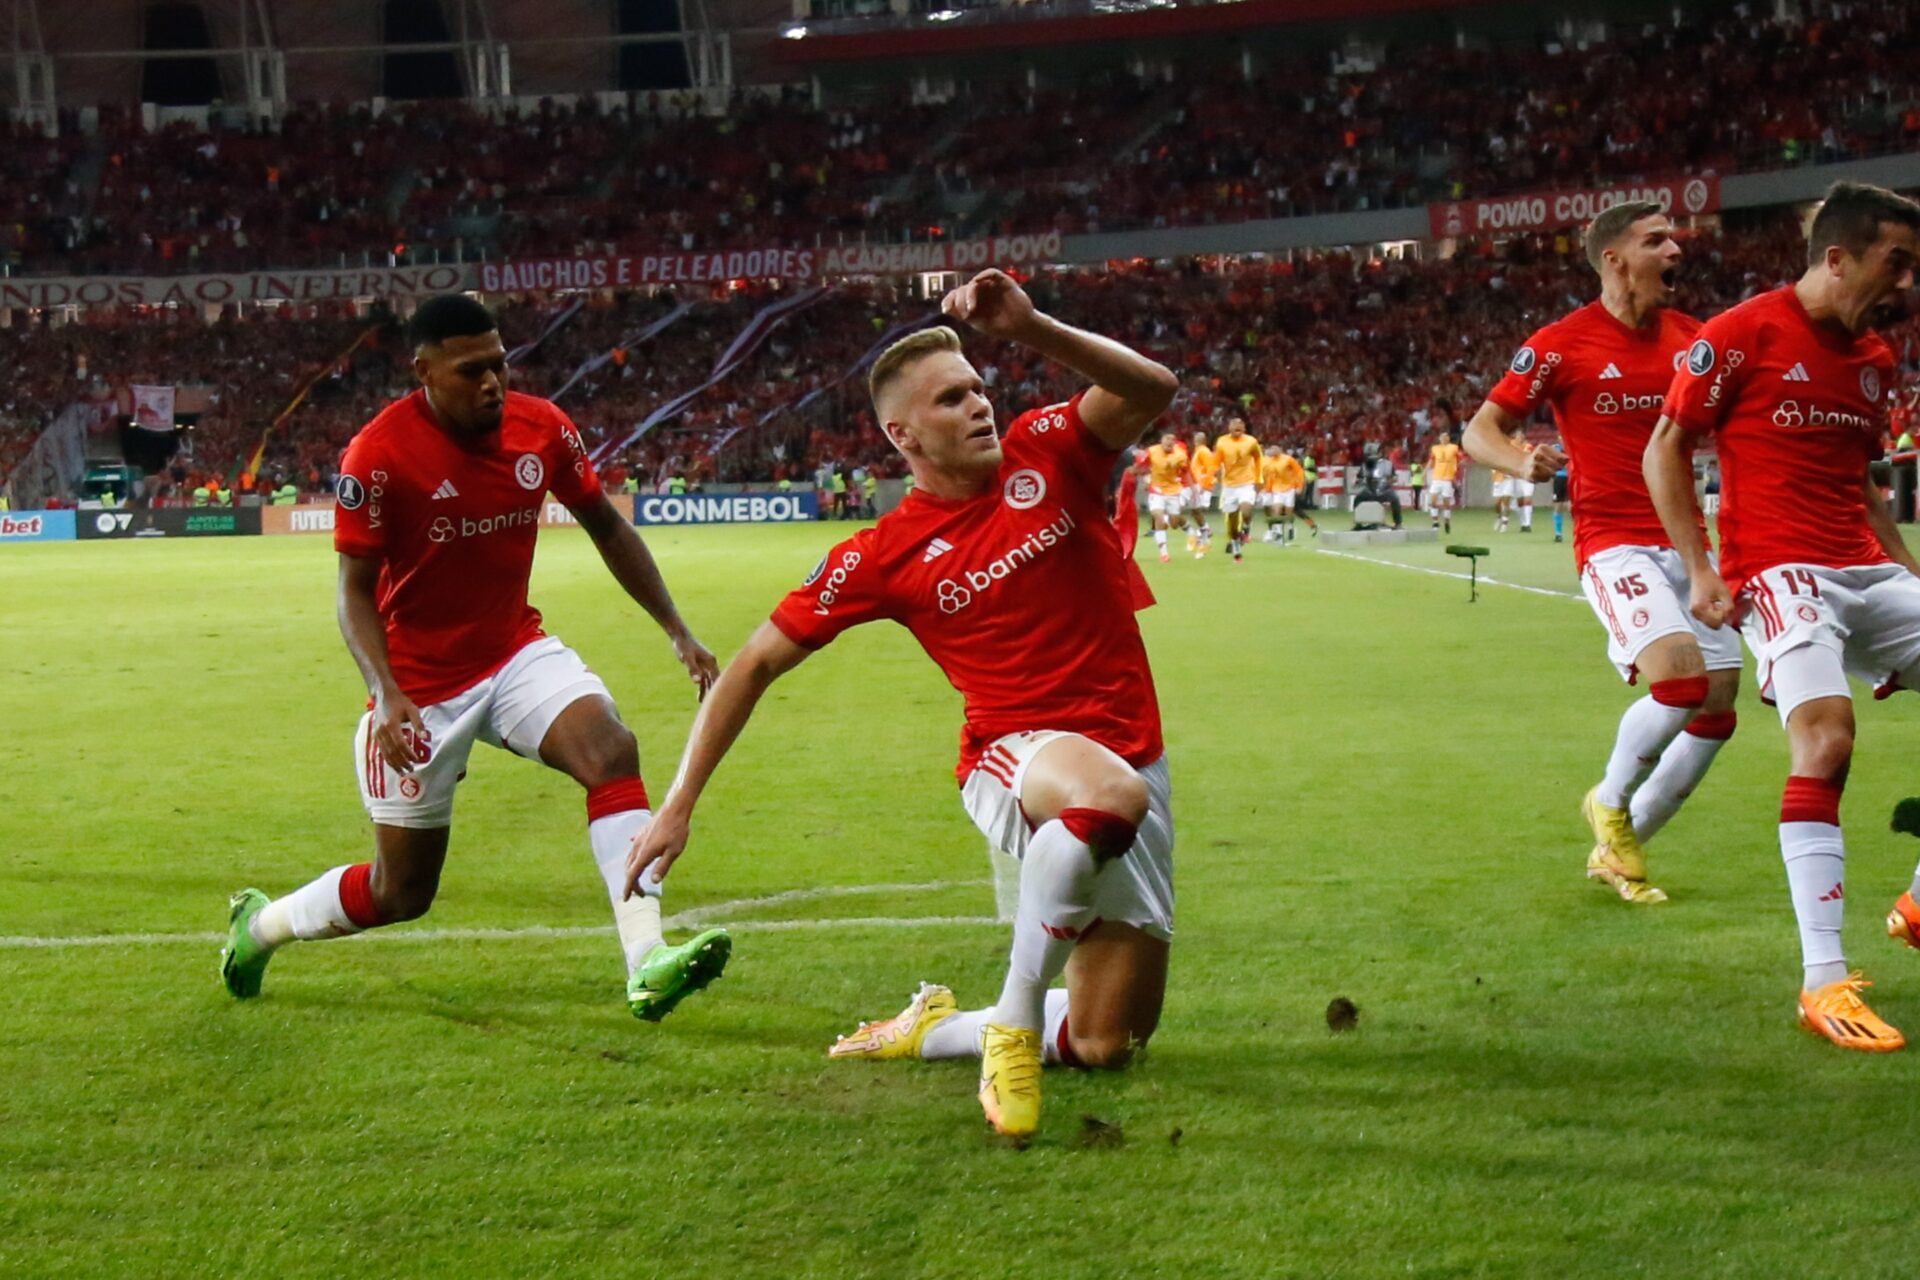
1736, 89
1328, 352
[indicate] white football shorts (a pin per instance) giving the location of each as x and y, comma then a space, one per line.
1138, 890
1440, 491
1640, 595
1199, 499
1236, 496
512, 708
1811, 627
1166, 504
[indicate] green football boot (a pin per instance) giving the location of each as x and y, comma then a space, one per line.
670, 974
243, 962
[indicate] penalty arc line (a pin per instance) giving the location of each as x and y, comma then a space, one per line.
1448, 573
698, 916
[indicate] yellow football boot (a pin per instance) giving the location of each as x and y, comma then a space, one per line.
1617, 860
900, 1035
1837, 1012
1010, 1080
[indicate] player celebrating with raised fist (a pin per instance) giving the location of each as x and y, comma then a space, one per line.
439, 506
1793, 386
1604, 370
1029, 614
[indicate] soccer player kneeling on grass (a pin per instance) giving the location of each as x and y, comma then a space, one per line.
1004, 566
439, 506
1793, 387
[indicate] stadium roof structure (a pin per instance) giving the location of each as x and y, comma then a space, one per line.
103, 51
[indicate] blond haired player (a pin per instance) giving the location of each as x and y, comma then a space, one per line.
1166, 487
1239, 457
1029, 613
1203, 466
1443, 476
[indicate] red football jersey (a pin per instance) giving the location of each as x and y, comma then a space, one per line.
1605, 383
1021, 595
1799, 409
455, 529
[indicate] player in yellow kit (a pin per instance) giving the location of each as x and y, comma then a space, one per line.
1166, 487
1239, 457
1203, 468
1284, 478
1443, 477
1270, 472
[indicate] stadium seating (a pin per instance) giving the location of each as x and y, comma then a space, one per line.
1329, 352
1187, 144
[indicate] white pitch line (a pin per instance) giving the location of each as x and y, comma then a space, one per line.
1448, 573
713, 913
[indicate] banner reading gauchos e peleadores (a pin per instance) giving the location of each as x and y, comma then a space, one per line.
623, 271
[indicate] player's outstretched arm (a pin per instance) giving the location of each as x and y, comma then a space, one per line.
1486, 441
767, 655
397, 727
632, 565
1129, 390
1885, 529
1668, 466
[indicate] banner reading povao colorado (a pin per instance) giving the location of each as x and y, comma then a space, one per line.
725, 508
1546, 210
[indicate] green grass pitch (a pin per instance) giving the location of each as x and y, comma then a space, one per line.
1375, 789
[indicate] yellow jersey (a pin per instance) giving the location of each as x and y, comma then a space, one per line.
1271, 469
1166, 469
1443, 463
1205, 466
1293, 476
1239, 458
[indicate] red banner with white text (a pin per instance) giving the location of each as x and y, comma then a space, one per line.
1547, 210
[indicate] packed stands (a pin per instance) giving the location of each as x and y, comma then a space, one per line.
1184, 144
1328, 351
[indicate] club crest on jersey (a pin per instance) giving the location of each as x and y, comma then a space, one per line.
1870, 384
1523, 360
351, 493
530, 471
1700, 357
1024, 488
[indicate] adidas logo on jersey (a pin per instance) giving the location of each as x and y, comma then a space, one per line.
1611, 371
1796, 374
935, 549
446, 490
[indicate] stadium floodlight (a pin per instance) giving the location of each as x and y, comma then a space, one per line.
943, 15
798, 31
